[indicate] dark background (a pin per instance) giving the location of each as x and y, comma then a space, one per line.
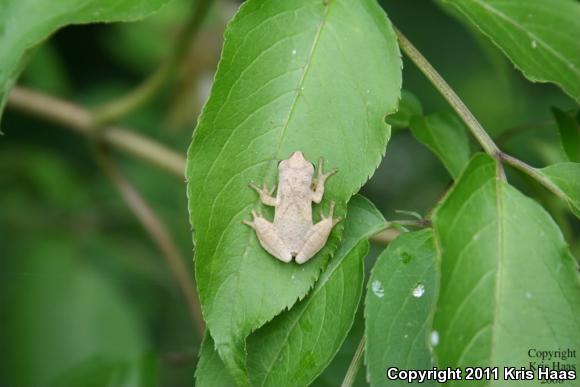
85, 296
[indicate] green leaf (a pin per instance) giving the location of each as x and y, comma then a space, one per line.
295, 347
444, 134
508, 281
399, 307
539, 37
409, 106
566, 176
277, 91
211, 371
569, 130
26, 23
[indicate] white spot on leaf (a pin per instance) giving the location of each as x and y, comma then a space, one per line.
534, 44
419, 290
434, 338
294, 52
377, 288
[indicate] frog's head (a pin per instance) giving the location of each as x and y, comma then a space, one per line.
296, 161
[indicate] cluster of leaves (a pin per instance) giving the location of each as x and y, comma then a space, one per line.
320, 77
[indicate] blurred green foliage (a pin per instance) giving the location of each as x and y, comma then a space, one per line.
85, 294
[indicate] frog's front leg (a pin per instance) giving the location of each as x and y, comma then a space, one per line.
269, 238
319, 181
316, 237
265, 194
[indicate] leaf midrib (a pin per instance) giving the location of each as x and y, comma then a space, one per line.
499, 260
275, 156
315, 43
280, 140
522, 29
291, 110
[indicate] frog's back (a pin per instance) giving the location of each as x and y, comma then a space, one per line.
293, 213
294, 206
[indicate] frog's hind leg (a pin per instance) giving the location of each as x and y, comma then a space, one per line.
269, 238
317, 236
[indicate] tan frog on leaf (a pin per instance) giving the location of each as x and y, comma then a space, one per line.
292, 234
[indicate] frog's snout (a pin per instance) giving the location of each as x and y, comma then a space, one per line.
297, 160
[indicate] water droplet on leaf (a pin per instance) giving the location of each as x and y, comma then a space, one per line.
434, 338
377, 288
419, 290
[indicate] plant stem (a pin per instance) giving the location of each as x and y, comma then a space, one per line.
79, 119
158, 232
535, 174
122, 106
412, 223
447, 92
384, 237
388, 233
355, 364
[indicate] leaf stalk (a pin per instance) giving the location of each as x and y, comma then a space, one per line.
355, 364
449, 94
535, 174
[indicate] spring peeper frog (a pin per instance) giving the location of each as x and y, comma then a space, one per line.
292, 234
